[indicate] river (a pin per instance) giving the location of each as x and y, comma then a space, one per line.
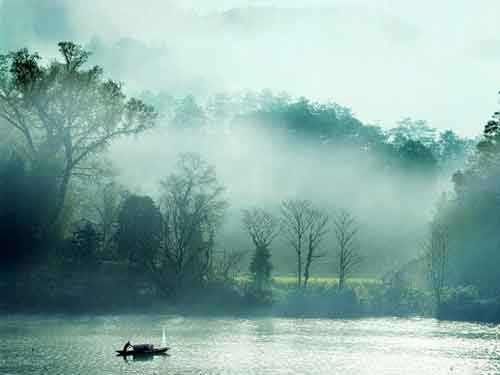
68, 345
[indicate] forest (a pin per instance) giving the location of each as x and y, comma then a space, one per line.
254, 202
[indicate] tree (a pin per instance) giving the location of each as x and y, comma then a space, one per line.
412, 130
189, 114
317, 231
489, 146
193, 207
417, 157
453, 150
65, 112
262, 227
26, 195
85, 244
107, 203
436, 256
346, 231
469, 219
139, 232
226, 265
304, 227
294, 225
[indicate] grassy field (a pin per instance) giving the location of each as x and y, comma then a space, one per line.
287, 282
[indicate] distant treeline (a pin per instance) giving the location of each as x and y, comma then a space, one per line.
412, 145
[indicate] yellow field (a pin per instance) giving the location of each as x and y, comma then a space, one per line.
291, 281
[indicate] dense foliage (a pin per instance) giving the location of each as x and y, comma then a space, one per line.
471, 216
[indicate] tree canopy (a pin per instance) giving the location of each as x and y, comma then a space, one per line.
66, 112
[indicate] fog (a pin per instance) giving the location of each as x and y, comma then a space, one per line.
262, 167
385, 62
384, 59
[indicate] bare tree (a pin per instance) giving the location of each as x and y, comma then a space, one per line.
295, 224
305, 228
316, 233
193, 207
227, 265
106, 203
65, 113
436, 255
262, 228
348, 257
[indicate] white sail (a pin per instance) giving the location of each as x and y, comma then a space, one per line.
163, 339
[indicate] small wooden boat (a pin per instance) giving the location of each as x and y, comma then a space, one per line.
145, 352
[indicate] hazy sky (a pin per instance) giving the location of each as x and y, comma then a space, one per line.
385, 59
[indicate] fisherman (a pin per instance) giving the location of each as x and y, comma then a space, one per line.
127, 345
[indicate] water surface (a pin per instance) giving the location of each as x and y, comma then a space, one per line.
85, 345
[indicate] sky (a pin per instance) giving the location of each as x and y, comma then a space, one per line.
385, 59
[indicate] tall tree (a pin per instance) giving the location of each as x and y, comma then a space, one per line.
65, 112
469, 220
26, 196
348, 257
85, 244
317, 231
304, 227
139, 232
106, 203
262, 227
489, 146
193, 207
295, 225
436, 255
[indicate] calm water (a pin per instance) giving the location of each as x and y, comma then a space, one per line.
85, 345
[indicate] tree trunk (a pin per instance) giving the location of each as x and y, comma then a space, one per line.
306, 277
61, 197
299, 269
306, 271
438, 303
341, 278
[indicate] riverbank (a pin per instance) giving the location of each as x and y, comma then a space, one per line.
362, 297
322, 298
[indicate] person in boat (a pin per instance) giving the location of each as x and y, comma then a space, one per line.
127, 345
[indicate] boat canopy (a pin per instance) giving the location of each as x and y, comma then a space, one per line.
143, 347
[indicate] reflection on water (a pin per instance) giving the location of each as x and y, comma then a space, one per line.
143, 357
86, 345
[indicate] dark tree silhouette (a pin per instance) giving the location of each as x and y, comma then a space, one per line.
139, 232
193, 207
26, 195
348, 257
436, 251
65, 112
85, 244
317, 231
304, 227
294, 226
262, 227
